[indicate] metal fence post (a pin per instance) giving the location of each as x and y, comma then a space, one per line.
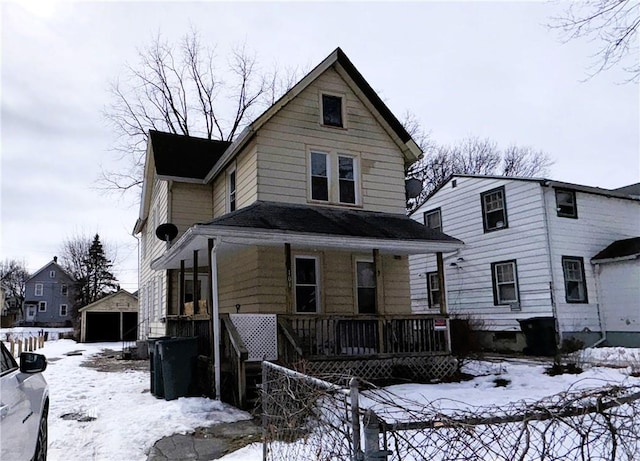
372, 451
355, 419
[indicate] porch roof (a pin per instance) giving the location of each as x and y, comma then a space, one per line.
310, 226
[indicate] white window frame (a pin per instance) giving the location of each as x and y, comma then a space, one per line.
232, 194
332, 159
317, 285
485, 212
64, 310
52, 274
343, 112
39, 288
498, 301
574, 204
357, 284
569, 278
42, 306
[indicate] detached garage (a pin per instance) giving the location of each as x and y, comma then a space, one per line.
112, 318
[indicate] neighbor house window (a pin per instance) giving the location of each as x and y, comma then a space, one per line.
574, 281
433, 289
38, 291
494, 210
347, 179
505, 282
366, 287
231, 187
566, 203
306, 284
332, 110
42, 306
319, 176
64, 290
63, 310
52, 274
433, 220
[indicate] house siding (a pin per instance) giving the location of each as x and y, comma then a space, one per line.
619, 293
190, 203
601, 220
469, 282
283, 144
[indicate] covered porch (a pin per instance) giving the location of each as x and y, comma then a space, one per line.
325, 290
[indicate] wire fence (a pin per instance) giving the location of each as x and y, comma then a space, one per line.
308, 418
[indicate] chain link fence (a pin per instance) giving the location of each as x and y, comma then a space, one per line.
308, 418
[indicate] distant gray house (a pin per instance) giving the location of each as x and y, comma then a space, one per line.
49, 296
536, 250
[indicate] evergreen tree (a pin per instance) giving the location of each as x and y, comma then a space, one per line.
96, 280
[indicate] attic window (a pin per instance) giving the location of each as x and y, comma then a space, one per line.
332, 110
52, 274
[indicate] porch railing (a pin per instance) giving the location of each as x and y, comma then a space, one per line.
197, 325
234, 354
360, 335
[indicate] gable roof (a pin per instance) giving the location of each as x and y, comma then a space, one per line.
622, 192
633, 190
184, 157
272, 223
46, 267
619, 250
107, 298
341, 63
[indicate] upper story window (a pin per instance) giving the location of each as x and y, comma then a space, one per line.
332, 114
231, 190
575, 286
38, 289
566, 203
433, 219
494, 210
64, 290
366, 287
64, 311
505, 282
433, 289
306, 284
334, 177
52, 274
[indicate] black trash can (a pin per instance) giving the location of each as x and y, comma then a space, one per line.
155, 366
178, 357
540, 334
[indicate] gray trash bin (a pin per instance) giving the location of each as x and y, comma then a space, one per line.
178, 358
155, 367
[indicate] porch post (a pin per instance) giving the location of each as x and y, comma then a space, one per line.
443, 292
215, 315
380, 307
181, 289
287, 259
196, 298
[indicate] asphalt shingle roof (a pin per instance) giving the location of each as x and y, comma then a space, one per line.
620, 249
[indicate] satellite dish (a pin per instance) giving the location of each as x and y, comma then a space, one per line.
413, 187
166, 231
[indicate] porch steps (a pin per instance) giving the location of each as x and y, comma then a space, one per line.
253, 375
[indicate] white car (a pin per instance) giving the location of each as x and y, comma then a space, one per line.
24, 404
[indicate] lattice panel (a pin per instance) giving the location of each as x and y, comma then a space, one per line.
259, 334
419, 368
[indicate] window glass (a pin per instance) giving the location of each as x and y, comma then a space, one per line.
8, 362
574, 283
331, 110
433, 220
319, 176
366, 281
63, 310
433, 286
306, 285
346, 177
38, 289
505, 283
42, 306
232, 191
494, 210
52, 274
64, 290
566, 203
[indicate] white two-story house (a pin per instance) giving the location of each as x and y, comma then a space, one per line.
532, 251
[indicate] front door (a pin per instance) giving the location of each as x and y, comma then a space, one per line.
31, 313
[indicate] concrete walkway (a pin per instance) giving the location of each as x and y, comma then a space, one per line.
206, 443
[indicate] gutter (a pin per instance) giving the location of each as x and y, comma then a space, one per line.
603, 329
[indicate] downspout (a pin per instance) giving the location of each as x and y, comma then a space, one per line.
215, 316
603, 328
552, 288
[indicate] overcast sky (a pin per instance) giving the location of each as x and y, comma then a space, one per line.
468, 68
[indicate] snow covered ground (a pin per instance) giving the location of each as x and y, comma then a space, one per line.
115, 418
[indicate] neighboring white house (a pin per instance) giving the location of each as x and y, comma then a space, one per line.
528, 252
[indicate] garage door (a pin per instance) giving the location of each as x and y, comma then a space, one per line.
103, 326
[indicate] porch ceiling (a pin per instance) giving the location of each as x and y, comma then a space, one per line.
308, 227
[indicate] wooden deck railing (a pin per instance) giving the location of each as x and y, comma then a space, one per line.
360, 335
184, 326
234, 353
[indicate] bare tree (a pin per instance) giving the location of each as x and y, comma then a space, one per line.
13, 275
474, 155
613, 24
186, 89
